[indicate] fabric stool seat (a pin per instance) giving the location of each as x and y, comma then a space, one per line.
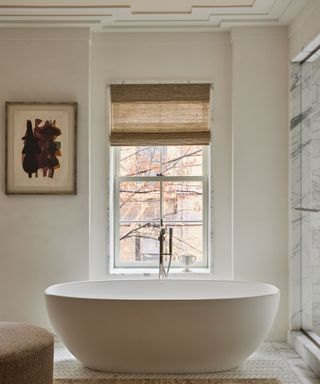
26, 354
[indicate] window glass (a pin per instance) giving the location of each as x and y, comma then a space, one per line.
183, 160
159, 185
139, 161
139, 200
182, 200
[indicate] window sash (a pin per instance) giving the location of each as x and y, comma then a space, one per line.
115, 250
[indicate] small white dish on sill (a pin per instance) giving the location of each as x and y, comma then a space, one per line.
186, 260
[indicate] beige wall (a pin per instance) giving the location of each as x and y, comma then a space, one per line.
260, 136
44, 239
163, 57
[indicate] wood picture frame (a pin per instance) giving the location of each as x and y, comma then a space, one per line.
41, 148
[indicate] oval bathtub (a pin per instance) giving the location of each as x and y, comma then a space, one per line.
162, 326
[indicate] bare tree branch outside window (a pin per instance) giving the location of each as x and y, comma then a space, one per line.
143, 203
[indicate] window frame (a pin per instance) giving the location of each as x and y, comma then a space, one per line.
115, 178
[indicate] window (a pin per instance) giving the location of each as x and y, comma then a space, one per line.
160, 135
154, 183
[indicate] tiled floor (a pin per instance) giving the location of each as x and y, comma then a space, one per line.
271, 360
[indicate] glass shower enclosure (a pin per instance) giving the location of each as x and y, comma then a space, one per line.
308, 203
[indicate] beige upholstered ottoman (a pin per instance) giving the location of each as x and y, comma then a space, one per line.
26, 354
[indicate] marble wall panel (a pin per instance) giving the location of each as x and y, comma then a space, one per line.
295, 194
305, 194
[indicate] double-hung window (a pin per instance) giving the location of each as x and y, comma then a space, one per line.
160, 165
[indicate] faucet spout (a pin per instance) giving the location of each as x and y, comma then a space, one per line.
163, 273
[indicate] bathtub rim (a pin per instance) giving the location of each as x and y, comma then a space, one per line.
274, 290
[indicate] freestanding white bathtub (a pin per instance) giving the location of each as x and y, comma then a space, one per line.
162, 326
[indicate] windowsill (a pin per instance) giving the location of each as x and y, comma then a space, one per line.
154, 272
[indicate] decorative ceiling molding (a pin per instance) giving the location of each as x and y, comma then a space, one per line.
183, 6
137, 6
123, 15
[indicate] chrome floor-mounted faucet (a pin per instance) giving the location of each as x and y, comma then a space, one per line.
163, 273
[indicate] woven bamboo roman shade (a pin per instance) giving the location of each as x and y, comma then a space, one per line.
160, 114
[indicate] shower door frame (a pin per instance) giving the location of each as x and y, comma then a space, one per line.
301, 204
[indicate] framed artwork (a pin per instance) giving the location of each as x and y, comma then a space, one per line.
41, 148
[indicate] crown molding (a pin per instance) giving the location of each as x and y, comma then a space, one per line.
148, 15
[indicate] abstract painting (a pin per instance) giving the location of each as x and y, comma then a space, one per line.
41, 148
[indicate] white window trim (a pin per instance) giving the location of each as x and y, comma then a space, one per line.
111, 271
115, 264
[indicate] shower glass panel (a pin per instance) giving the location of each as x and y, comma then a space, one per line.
310, 197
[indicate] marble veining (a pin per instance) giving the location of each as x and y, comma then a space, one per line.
295, 121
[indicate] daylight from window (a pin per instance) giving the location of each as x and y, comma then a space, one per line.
155, 183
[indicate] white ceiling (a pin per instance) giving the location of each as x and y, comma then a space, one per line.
141, 15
